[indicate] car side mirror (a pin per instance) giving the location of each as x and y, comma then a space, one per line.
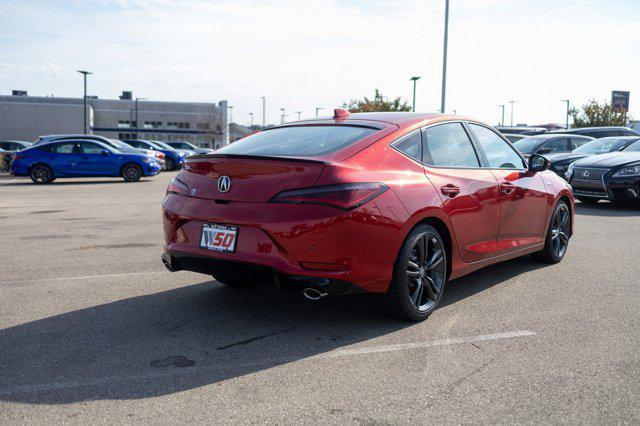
544, 151
538, 163
105, 152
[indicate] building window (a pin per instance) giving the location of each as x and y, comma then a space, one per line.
152, 124
203, 126
124, 124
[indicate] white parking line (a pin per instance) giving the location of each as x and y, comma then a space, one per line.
255, 365
84, 277
421, 345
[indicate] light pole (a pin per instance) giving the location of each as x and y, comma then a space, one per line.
502, 121
566, 126
136, 107
84, 74
230, 114
251, 115
414, 79
298, 113
264, 106
318, 109
444, 56
512, 102
282, 116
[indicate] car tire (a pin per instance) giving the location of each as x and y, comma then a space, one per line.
556, 242
588, 200
232, 283
419, 276
41, 174
131, 172
169, 164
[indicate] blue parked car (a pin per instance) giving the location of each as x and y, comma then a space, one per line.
173, 157
81, 158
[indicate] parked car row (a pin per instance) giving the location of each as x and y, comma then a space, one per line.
79, 155
596, 168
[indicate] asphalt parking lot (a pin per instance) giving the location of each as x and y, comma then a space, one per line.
93, 329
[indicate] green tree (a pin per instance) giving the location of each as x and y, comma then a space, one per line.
594, 114
378, 103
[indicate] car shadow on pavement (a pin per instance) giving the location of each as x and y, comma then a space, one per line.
605, 208
192, 336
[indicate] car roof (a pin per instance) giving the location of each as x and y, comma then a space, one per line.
579, 129
383, 119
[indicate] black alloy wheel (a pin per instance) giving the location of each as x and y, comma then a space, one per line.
41, 173
169, 164
558, 235
419, 277
131, 172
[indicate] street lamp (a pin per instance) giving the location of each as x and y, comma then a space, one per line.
298, 113
414, 79
251, 115
444, 55
136, 108
566, 126
264, 106
318, 109
512, 102
282, 116
84, 74
502, 121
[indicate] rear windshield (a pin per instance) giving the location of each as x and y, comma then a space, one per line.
601, 146
303, 141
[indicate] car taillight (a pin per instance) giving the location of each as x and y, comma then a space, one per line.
160, 155
176, 186
346, 196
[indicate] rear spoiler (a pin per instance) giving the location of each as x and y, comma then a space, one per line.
256, 157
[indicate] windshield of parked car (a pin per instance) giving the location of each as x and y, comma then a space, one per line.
633, 147
163, 145
304, 141
601, 146
530, 144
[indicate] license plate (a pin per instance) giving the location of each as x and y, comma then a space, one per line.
219, 237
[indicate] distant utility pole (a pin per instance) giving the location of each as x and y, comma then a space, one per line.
512, 102
264, 109
84, 74
136, 107
230, 113
414, 79
444, 56
566, 125
502, 121
282, 116
318, 109
299, 113
251, 122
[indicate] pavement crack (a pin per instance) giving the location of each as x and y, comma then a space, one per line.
253, 339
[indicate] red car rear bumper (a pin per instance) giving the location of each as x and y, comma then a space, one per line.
303, 242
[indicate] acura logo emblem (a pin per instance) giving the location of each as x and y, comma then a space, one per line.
224, 184
585, 173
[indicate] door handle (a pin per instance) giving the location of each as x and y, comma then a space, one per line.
507, 188
450, 190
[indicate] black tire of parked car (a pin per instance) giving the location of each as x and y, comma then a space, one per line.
419, 276
41, 174
169, 164
558, 234
131, 172
588, 200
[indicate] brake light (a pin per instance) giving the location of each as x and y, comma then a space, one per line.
160, 155
346, 196
176, 186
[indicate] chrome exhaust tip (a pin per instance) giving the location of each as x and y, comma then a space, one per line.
313, 294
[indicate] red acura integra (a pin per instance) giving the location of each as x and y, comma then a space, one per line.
390, 203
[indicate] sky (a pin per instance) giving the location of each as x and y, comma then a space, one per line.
305, 54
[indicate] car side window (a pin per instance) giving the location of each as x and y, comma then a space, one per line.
64, 148
556, 145
499, 153
411, 145
91, 148
448, 145
577, 142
